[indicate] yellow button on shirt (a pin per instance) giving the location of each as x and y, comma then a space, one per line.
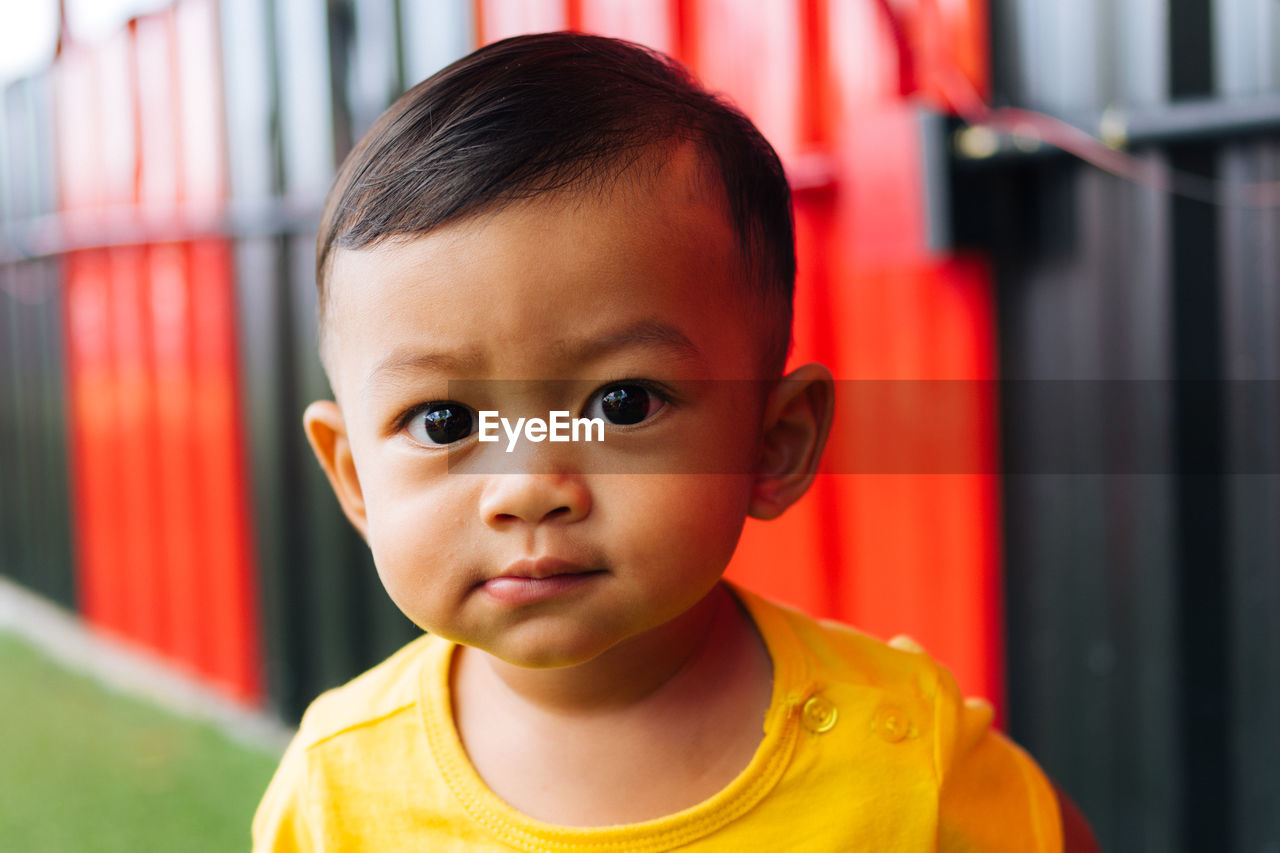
865, 747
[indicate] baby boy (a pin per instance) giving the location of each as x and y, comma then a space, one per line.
566, 225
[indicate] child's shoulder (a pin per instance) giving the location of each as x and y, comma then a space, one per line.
837, 652
896, 686
387, 689
889, 707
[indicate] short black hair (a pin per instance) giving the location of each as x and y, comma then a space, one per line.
542, 113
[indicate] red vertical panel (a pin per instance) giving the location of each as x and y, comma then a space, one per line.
817, 106
972, 527
136, 540
176, 451
921, 546
221, 594
684, 15
133, 436
923, 555
170, 332
573, 15
226, 601
949, 47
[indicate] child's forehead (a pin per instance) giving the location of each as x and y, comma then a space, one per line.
669, 193
650, 248
673, 177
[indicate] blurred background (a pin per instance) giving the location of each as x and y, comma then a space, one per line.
1067, 212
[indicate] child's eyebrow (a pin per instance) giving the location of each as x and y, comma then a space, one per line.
651, 333
644, 333
414, 360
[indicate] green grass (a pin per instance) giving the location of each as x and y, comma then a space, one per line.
85, 769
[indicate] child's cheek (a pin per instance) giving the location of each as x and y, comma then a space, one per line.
417, 536
690, 513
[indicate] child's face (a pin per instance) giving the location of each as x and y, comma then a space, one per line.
637, 285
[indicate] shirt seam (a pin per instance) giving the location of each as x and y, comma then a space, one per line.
360, 724
931, 702
530, 839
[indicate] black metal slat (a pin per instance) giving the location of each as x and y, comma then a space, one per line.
58, 544
10, 564
1200, 535
8, 364
1141, 591
253, 95
260, 321
38, 540
13, 559
1250, 315
324, 590
26, 463
1054, 542
1082, 293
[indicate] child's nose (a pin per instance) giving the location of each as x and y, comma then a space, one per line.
534, 498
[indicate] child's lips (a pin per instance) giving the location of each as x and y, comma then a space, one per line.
532, 580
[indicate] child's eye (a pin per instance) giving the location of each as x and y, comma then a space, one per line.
625, 403
440, 423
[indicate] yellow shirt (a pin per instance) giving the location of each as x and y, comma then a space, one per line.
866, 746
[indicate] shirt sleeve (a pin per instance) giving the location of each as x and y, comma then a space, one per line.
280, 824
994, 797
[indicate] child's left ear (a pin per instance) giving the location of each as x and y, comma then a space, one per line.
797, 419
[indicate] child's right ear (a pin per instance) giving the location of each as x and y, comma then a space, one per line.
327, 431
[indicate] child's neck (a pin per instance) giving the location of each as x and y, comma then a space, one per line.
681, 711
